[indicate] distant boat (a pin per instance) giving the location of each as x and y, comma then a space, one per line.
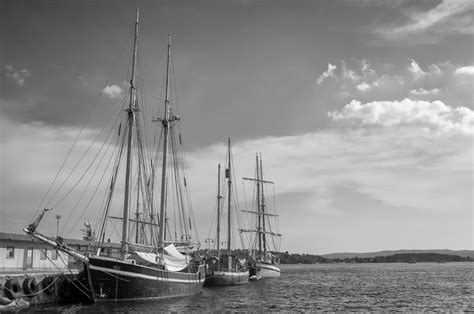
264, 261
149, 265
227, 269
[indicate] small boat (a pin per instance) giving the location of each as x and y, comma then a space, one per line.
149, 264
263, 258
227, 269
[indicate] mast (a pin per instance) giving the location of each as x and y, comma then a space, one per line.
263, 210
229, 198
132, 108
137, 213
165, 121
218, 214
152, 190
259, 224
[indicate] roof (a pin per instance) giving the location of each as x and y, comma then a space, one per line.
24, 238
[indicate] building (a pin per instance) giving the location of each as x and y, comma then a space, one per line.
19, 254
34, 271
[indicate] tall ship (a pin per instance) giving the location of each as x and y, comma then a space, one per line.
158, 245
226, 269
264, 244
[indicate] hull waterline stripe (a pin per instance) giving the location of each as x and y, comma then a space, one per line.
131, 274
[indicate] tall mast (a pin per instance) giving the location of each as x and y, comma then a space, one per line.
165, 121
219, 196
137, 213
263, 209
229, 198
259, 231
132, 108
152, 210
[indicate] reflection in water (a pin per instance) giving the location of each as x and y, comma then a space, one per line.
342, 287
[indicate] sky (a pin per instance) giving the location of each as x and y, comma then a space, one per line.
362, 110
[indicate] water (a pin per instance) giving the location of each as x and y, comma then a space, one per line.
342, 287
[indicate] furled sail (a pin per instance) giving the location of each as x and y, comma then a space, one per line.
173, 260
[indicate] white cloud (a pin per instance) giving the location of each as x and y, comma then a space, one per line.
113, 91
431, 115
363, 76
466, 70
349, 74
361, 79
363, 87
415, 69
19, 76
418, 73
366, 69
327, 74
445, 10
448, 17
432, 176
423, 92
434, 69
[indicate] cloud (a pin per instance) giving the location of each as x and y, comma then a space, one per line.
418, 73
348, 74
18, 76
363, 87
431, 115
341, 181
466, 70
447, 17
360, 78
415, 69
327, 74
113, 91
424, 92
450, 83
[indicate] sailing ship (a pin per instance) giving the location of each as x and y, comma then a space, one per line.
227, 269
263, 258
151, 263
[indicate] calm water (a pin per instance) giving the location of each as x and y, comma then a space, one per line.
344, 287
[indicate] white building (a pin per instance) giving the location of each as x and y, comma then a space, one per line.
19, 254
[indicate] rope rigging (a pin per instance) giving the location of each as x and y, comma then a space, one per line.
93, 109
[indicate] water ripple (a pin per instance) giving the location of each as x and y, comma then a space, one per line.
344, 287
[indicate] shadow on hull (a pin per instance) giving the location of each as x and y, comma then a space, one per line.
225, 278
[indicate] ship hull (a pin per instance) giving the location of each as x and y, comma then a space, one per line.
121, 281
226, 278
267, 270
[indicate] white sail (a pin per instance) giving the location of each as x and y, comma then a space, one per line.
173, 260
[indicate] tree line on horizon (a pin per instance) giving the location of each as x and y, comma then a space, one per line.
297, 258
289, 258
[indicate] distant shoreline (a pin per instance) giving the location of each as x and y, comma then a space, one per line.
462, 253
431, 257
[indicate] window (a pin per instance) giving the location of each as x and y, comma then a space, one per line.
54, 254
44, 254
10, 252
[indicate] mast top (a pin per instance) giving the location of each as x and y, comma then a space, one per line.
138, 15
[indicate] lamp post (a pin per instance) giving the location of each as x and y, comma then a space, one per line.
57, 225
